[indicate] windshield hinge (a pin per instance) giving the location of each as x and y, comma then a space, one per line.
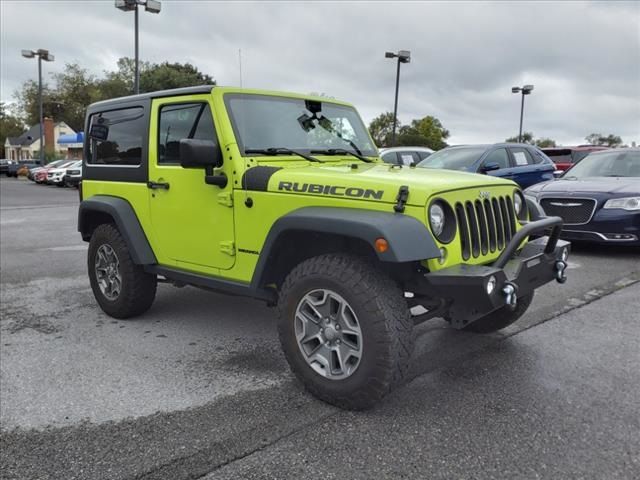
401, 199
228, 247
225, 198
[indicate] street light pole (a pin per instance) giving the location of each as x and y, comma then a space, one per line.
136, 84
403, 56
47, 57
525, 90
152, 6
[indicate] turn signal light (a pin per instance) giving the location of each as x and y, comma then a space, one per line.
381, 245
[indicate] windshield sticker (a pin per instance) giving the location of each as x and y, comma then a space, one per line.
336, 190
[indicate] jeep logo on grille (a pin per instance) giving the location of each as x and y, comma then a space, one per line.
484, 194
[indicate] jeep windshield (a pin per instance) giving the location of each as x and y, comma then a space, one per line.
263, 124
458, 158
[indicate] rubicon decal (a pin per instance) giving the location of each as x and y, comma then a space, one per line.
336, 190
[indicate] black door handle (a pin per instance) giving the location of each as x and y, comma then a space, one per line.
155, 185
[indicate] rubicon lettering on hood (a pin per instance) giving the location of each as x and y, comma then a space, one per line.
336, 190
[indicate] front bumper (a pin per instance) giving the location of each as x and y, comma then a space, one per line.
467, 290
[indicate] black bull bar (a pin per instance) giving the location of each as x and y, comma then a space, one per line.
474, 291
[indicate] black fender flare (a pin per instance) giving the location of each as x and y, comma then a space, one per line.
125, 219
408, 239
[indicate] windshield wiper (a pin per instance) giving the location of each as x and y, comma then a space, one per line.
281, 150
338, 151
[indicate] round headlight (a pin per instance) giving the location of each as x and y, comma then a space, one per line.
518, 202
436, 219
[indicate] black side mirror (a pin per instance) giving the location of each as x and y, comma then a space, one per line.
203, 154
490, 167
199, 154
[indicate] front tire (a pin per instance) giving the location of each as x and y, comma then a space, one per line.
345, 329
501, 318
121, 288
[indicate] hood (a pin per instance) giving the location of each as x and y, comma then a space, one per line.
612, 185
377, 182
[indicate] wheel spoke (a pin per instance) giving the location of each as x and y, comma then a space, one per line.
107, 272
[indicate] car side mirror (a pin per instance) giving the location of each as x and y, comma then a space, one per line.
203, 154
490, 167
557, 173
199, 154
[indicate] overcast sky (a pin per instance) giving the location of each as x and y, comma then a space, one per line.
583, 58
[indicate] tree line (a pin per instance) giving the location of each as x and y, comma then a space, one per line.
599, 139
71, 91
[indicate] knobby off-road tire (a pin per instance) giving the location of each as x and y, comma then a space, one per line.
501, 318
137, 289
378, 309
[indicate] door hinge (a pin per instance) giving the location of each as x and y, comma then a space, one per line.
225, 198
228, 247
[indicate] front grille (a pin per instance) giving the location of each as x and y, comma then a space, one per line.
485, 225
574, 211
73, 172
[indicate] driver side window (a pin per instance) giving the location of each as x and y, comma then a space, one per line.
498, 156
183, 120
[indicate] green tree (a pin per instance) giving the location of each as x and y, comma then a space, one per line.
10, 126
424, 132
74, 89
527, 137
545, 142
610, 140
172, 75
381, 128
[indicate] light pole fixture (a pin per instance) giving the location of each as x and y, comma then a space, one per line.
152, 6
47, 57
525, 90
403, 56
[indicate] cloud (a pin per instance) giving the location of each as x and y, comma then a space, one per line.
583, 58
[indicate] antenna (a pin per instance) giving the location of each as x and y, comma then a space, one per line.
240, 64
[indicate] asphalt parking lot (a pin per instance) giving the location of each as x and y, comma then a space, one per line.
198, 388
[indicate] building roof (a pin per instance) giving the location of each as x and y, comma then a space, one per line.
29, 137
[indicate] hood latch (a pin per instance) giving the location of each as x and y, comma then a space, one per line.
401, 199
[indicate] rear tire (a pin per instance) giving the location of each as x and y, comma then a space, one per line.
121, 288
501, 318
363, 325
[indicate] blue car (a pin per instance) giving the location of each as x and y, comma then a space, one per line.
524, 164
598, 198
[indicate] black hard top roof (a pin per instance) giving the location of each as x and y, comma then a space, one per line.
161, 93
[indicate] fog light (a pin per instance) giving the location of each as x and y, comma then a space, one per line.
491, 285
443, 256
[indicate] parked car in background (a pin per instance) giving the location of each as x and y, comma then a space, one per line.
565, 157
73, 175
404, 155
40, 176
14, 168
55, 176
524, 164
598, 198
4, 165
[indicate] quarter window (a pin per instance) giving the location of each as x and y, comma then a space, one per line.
121, 137
184, 120
522, 157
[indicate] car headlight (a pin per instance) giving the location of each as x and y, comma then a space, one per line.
442, 220
436, 219
519, 205
631, 204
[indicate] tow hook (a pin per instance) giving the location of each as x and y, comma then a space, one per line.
561, 266
510, 293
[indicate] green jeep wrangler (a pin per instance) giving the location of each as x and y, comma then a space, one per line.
283, 198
